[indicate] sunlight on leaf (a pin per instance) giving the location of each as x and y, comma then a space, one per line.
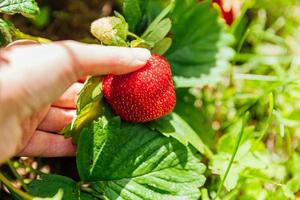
173, 125
28, 8
7, 32
200, 53
56, 187
130, 161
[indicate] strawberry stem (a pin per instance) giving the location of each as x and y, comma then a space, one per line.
19, 192
21, 35
134, 35
16, 174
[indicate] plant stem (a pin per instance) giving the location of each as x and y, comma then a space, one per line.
240, 136
268, 123
262, 178
239, 47
133, 35
204, 194
208, 153
92, 192
269, 120
289, 143
275, 85
243, 39
21, 35
19, 192
17, 175
255, 77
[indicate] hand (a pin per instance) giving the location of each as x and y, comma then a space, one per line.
38, 88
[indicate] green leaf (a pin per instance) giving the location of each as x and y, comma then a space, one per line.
91, 140
295, 164
287, 192
14, 195
219, 165
247, 161
162, 46
200, 53
198, 118
7, 32
28, 8
48, 185
83, 118
130, 161
294, 184
91, 91
58, 196
42, 19
154, 8
158, 19
159, 31
132, 12
89, 107
121, 28
150, 9
140, 43
173, 125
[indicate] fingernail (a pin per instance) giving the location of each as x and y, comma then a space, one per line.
21, 43
141, 54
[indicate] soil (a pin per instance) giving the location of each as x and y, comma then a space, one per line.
68, 19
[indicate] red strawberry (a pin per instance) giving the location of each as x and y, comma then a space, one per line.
143, 95
229, 9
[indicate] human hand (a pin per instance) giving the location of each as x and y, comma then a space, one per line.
38, 88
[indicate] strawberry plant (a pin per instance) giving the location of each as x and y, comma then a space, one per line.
212, 115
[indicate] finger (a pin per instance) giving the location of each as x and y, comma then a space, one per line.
56, 119
68, 99
4, 60
86, 59
97, 59
30, 124
44, 144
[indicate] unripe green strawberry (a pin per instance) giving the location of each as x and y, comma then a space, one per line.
110, 30
143, 95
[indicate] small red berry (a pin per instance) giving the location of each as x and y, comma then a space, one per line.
143, 95
229, 9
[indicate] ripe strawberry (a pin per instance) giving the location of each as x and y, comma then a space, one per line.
227, 14
229, 9
143, 95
